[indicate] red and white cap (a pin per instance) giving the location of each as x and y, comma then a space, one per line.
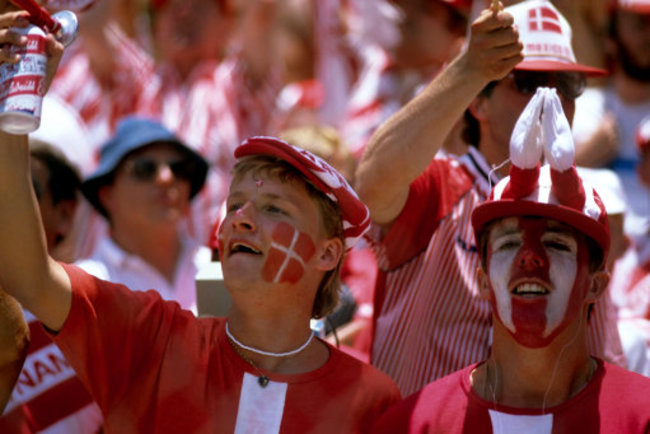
546, 36
643, 134
355, 214
555, 191
634, 6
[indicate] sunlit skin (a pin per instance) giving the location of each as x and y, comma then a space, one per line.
539, 277
272, 230
289, 251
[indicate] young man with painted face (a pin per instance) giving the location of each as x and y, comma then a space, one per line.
153, 367
543, 239
429, 318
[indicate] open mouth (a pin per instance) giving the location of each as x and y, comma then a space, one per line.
243, 248
529, 290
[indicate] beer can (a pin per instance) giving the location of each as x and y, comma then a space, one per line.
22, 85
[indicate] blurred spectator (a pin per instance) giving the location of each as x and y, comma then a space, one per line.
606, 135
302, 96
200, 49
413, 40
631, 279
48, 395
143, 187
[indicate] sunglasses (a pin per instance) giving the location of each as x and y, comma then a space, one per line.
570, 85
146, 169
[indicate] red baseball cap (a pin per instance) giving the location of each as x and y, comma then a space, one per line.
355, 214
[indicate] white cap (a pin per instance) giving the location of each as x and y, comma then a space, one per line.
546, 36
62, 127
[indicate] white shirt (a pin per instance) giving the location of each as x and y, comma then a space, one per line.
110, 262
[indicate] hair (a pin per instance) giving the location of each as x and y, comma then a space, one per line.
471, 132
327, 296
63, 180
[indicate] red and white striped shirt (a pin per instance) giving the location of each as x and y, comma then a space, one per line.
48, 396
429, 317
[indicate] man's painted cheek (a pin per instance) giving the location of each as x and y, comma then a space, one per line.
290, 250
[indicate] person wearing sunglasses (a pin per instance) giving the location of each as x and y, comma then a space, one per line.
429, 317
143, 187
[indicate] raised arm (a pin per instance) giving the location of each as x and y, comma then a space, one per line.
14, 339
26, 270
405, 144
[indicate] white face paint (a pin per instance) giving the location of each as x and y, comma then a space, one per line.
532, 267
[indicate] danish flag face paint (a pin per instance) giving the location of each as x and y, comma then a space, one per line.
539, 278
290, 250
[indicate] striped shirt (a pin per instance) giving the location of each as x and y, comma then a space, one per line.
429, 317
48, 396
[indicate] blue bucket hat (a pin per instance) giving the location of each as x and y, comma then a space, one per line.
132, 134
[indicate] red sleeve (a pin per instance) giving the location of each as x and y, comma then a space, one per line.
109, 337
432, 196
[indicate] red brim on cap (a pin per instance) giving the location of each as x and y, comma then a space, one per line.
488, 211
555, 65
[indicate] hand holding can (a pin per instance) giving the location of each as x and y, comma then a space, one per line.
23, 84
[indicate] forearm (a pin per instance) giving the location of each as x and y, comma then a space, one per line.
26, 271
404, 145
22, 245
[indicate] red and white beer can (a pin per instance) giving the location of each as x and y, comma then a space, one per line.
22, 85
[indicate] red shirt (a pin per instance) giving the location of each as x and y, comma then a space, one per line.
614, 402
153, 367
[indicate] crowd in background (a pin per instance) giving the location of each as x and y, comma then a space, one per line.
205, 75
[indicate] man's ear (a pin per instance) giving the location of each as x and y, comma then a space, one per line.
599, 282
483, 283
330, 254
477, 107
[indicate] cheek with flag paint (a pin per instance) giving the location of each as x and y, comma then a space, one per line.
290, 250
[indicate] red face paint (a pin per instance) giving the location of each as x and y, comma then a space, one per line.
534, 321
289, 251
531, 262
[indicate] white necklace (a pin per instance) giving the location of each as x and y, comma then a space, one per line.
268, 353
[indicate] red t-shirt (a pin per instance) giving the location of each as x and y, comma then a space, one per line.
153, 367
614, 401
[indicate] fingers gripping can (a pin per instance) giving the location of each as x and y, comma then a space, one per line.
22, 85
